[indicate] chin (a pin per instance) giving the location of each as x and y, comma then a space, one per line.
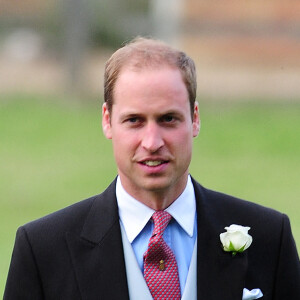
156, 185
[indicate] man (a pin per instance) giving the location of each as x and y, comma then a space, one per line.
155, 232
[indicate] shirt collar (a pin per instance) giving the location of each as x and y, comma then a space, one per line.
134, 215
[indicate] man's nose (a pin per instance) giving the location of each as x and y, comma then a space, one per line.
152, 139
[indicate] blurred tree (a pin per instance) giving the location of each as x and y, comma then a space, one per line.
76, 31
165, 19
115, 21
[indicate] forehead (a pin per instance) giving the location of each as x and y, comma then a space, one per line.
150, 90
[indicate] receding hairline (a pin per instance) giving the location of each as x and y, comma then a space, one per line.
147, 53
143, 53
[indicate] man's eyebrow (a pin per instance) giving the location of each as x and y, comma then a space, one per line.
131, 113
171, 112
176, 113
126, 115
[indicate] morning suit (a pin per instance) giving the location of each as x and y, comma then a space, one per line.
77, 252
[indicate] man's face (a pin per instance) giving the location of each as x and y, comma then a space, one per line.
151, 130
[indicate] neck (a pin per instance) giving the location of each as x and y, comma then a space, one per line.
158, 199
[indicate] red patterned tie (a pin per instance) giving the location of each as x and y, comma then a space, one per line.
160, 267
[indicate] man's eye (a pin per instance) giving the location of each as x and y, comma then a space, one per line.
168, 119
133, 120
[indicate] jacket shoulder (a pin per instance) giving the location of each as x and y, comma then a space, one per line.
71, 218
234, 207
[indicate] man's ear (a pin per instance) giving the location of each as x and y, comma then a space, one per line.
196, 120
106, 122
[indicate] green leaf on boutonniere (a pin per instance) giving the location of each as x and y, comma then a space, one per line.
242, 249
231, 247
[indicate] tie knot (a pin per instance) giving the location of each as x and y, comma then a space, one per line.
161, 220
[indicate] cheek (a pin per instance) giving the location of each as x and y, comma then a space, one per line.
182, 139
183, 146
124, 143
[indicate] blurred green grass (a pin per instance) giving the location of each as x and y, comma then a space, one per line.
53, 153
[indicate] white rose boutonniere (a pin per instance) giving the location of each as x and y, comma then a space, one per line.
236, 239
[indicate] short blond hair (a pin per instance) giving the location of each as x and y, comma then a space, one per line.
142, 53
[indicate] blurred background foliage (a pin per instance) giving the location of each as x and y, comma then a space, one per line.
52, 56
241, 48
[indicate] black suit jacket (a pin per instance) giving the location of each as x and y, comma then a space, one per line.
77, 252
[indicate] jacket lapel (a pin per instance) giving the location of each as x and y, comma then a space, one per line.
97, 254
219, 274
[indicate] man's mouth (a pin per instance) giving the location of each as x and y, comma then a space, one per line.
153, 163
